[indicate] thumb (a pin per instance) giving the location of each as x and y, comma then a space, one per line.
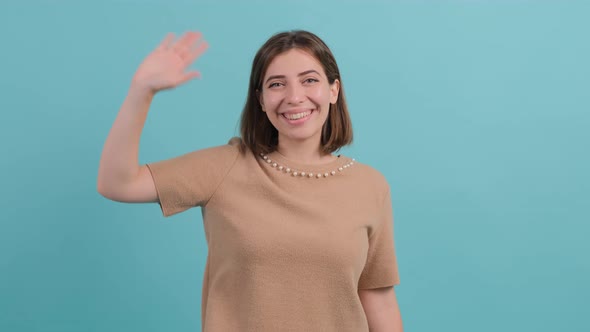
189, 76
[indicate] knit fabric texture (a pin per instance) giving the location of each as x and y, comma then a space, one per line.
285, 253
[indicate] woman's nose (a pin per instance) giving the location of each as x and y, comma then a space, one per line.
295, 94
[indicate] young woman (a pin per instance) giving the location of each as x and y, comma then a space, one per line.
299, 239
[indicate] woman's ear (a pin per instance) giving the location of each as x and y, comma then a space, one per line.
334, 90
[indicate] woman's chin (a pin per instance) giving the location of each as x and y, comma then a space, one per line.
300, 136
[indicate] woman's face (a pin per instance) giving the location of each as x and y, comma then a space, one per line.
296, 95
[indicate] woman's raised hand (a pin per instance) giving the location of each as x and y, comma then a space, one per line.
166, 66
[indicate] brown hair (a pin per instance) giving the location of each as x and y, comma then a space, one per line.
258, 133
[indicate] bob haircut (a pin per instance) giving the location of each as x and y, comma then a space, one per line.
258, 133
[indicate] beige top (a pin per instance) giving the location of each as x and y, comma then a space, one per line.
285, 253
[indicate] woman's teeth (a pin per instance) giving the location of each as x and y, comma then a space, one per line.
297, 115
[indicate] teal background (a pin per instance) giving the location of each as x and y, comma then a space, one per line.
477, 112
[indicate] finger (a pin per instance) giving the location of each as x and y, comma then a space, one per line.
196, 52
186, 40
165, 44
183, 54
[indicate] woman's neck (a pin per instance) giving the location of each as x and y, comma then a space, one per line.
306, 151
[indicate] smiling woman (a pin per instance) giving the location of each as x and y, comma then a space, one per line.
299, 238
297, 102
295, 80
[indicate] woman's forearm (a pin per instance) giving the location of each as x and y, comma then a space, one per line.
119, 161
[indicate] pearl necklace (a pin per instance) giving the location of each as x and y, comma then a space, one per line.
295, 173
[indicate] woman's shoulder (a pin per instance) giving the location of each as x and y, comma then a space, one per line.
370, 175
233, 144
235, 141
221, 153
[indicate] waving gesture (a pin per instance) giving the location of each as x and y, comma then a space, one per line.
166, 67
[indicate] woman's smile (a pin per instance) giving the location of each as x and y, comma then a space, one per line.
297, 117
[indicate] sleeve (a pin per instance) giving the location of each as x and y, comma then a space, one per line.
191, 179
381, 265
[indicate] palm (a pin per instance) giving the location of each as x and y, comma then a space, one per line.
166, 66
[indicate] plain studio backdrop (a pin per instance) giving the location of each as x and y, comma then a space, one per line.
477, 113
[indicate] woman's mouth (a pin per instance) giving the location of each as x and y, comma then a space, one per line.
296, 118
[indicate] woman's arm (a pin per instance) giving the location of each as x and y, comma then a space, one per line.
381, 309
120, 177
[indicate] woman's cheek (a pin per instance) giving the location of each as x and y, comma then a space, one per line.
319, 96
272, 100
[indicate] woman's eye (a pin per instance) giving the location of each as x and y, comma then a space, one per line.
274, 84
310, 80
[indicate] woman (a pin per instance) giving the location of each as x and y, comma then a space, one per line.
299, 239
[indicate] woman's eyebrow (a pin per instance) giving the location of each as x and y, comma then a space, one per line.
300, 74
